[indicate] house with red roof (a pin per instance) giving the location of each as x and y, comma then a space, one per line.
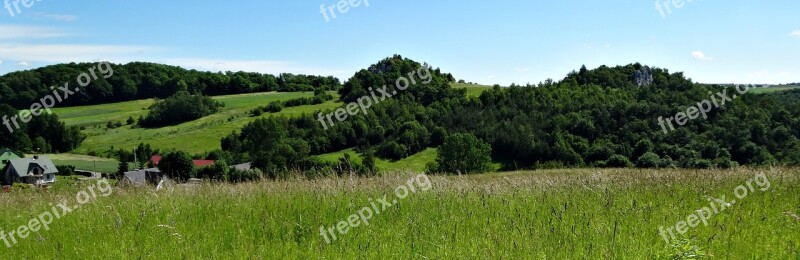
197, 163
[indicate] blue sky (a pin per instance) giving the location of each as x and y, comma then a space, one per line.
521, 41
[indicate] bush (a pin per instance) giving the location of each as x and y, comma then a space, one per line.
65, 170
666, 162
177, 165
274, 107
618, 161
464, 153
703, 164
392, 150
648, 160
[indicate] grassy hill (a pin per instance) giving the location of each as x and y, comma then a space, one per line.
774, 89
85, 162
197, 136
473, 90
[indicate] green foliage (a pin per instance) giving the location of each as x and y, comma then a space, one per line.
686, 248
124, 157
43, 133
139, 80
65, 170
177, 165
276, 106
648, 160
464, 153
181, 107
618, 161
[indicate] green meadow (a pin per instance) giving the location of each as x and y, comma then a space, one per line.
195, 137
553, 214
473, 90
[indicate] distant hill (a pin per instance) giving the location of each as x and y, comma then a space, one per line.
603, 117
139, 80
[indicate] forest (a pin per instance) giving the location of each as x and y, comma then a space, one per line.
605, 117
140, 80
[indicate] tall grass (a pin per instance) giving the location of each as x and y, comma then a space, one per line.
584, 213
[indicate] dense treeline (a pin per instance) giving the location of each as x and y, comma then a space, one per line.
606, 117
44, 133
140, 80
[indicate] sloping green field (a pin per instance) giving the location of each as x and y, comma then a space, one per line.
197, 136
473, 90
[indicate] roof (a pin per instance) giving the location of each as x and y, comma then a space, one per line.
197, 163
8, 154
140, 177
202, 163
23, 165
242, 167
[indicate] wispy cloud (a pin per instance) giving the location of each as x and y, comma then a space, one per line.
699, 55
64, 53
522, 70
23, 64
60, 17
795, 33
29, 32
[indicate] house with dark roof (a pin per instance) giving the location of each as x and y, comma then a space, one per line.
38, 170
8, 154
141, 177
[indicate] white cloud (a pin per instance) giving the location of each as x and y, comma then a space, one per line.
64, 53
260, 66
23, 64
61, 17
699, 55
795, 33
28, 32
522, 70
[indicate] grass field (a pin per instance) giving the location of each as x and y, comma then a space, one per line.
773, 89
84, 162
554, 214
198, 136
416, 162
473, 90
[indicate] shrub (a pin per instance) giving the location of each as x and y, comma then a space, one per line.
618, 161
703, 164
177, 165
392, 150
65, 170
464, 153
648, 160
